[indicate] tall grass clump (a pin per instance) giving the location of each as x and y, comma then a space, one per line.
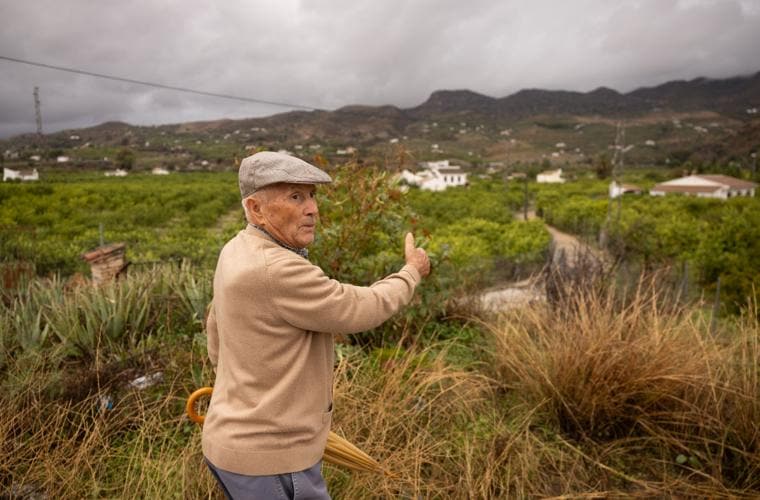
411, 410
635, 378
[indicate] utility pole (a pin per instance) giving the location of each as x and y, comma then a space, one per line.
617, 164
619, 169
37, 111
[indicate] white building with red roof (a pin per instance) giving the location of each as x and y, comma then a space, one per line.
706, 186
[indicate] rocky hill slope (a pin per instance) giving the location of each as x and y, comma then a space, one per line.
702, 119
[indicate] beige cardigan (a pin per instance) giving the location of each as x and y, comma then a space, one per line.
270, 336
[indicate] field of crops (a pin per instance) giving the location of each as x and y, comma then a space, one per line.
610, 389
52, 223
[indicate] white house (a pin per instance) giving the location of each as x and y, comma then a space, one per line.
550, 177
621, 189
116, 173
62, 159
436, 176
21, 175
159, 171
706, 186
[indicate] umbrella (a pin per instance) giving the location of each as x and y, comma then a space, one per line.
339, 451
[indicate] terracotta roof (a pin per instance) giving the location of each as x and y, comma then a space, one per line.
731, 182
684, 189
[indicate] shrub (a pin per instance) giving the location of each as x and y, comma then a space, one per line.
606, 370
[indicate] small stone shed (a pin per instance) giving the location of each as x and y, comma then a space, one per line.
107, 262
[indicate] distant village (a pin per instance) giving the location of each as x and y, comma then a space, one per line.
427, 175
441, 175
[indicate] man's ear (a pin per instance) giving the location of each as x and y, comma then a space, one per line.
253, 207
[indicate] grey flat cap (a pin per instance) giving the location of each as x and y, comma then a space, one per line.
267, 167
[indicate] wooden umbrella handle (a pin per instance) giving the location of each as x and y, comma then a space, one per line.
190, 406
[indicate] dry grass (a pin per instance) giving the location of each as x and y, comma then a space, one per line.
56, 447
596, 396
411, 411
641, 390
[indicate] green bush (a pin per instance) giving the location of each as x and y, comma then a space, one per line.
475, 243
487, 200
51, 224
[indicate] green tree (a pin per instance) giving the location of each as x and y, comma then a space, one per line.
125, 159
602, 167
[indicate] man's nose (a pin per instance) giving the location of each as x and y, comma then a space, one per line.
311, 207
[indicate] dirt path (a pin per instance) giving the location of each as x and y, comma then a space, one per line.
514, 295
565, 243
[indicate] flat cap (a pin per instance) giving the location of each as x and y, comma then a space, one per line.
268, 167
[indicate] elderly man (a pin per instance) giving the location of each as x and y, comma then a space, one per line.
270, 335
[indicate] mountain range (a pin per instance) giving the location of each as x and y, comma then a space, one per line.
701, 120
731, 97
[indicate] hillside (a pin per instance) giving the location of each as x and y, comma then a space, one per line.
700, 120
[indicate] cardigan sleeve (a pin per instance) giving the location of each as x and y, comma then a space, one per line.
306, 298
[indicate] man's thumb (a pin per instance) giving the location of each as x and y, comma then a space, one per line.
409, 243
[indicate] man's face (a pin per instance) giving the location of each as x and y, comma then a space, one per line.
290, 213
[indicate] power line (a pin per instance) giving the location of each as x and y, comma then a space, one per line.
161, 85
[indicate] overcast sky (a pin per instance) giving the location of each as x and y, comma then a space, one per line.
333, 53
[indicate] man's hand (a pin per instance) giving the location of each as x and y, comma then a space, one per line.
416, 257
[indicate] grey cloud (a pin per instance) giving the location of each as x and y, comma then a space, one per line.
330, 54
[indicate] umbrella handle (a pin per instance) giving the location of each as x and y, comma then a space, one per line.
190, 406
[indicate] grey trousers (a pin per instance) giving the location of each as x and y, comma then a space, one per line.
304, 485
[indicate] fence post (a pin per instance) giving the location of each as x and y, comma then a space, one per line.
716, 308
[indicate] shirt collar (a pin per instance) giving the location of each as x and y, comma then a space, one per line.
303, 252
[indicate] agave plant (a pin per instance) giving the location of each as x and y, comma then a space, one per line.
27, 327
88, 318
193, 287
